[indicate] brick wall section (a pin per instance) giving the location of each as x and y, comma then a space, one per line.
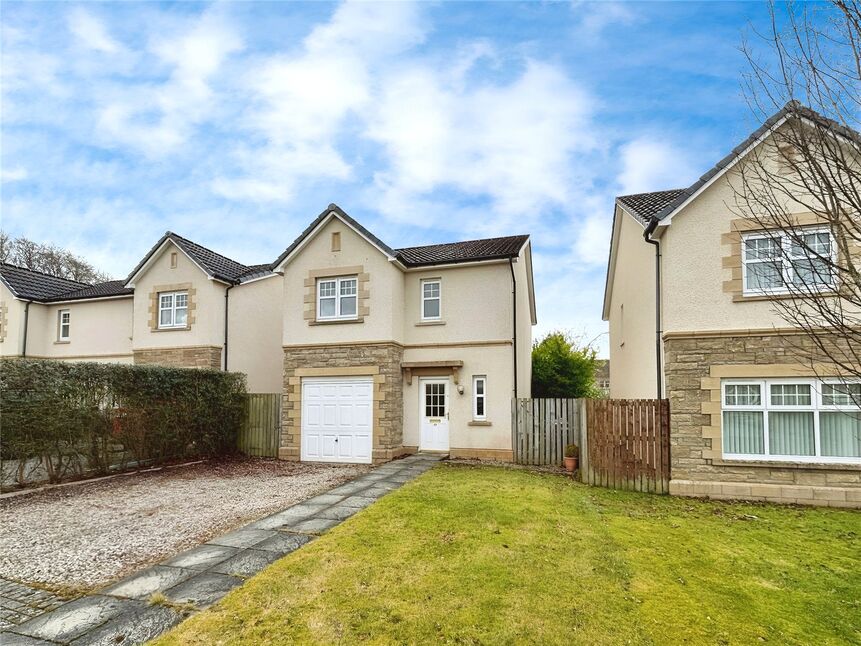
694, 393
190, 357
383, 361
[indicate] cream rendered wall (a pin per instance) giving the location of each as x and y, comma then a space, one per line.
476, 304
254, 347
386, 287
491, 361
632, 313
13, 338
100, 330
208, 328
693, 268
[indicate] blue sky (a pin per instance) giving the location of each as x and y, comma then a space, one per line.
236, 124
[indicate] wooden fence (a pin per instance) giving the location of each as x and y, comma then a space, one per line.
627, 444
260, 435
542, 428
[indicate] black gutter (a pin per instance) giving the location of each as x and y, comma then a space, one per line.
653, 224
514, 318
226, 322
26, 320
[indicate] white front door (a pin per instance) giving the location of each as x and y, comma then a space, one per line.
433, 414
337, 419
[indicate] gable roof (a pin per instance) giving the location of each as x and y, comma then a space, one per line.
466, 251
793, 109
213, 264
410, 257
333, 210
36, 285
644, 206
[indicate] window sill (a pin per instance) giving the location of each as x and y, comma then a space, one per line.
361, 319
479, 422
775, 464
171, 329
67, 342
426, 323
740, 298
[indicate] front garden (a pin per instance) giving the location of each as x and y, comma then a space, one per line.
496, 555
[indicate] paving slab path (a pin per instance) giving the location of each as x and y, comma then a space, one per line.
146, 604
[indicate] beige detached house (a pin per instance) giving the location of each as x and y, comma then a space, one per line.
378, 352
690, 301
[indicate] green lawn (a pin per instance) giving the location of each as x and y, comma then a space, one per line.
484, 555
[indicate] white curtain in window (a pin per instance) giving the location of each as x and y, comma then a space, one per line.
840, 434
791, 433
742, 432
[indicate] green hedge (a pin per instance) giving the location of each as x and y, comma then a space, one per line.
71, 418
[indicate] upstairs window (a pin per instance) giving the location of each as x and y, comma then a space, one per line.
64, 319
431, 299
782, 262
172, 310
337, 298
479, 397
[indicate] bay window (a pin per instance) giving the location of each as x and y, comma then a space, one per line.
783, 262
796, 420
337, 298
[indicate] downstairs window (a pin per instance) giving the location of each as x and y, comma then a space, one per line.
792, 420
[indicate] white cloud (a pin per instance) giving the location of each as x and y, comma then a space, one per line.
511, 141
15, 174
594, 17
156, 119
301, 101
91, 32
652, 165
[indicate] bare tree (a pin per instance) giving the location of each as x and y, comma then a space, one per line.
802, 187
49, 259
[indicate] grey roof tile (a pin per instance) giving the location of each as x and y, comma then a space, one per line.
466, 251
35, 285
645, 205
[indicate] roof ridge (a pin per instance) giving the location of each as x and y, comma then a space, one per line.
170, 234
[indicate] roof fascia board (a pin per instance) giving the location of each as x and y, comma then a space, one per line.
89, 299
155, 253
454, 265
669, 217
258, 278
313, 233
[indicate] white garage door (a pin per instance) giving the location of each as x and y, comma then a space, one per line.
337, 419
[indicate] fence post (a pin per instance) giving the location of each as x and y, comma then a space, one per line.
583, 433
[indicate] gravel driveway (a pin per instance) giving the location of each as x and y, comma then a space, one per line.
86, 535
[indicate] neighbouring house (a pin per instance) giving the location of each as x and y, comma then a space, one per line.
378, 352
691, 320
602, 377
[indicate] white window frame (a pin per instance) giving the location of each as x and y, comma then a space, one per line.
338, 280
816, 406
476, 396
424, 299
785, 240
172, 308
60, 325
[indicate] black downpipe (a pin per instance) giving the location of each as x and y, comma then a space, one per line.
226, 322
26, 320
653, 223
514, 319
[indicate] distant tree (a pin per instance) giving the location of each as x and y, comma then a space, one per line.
48, 258
562, 367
